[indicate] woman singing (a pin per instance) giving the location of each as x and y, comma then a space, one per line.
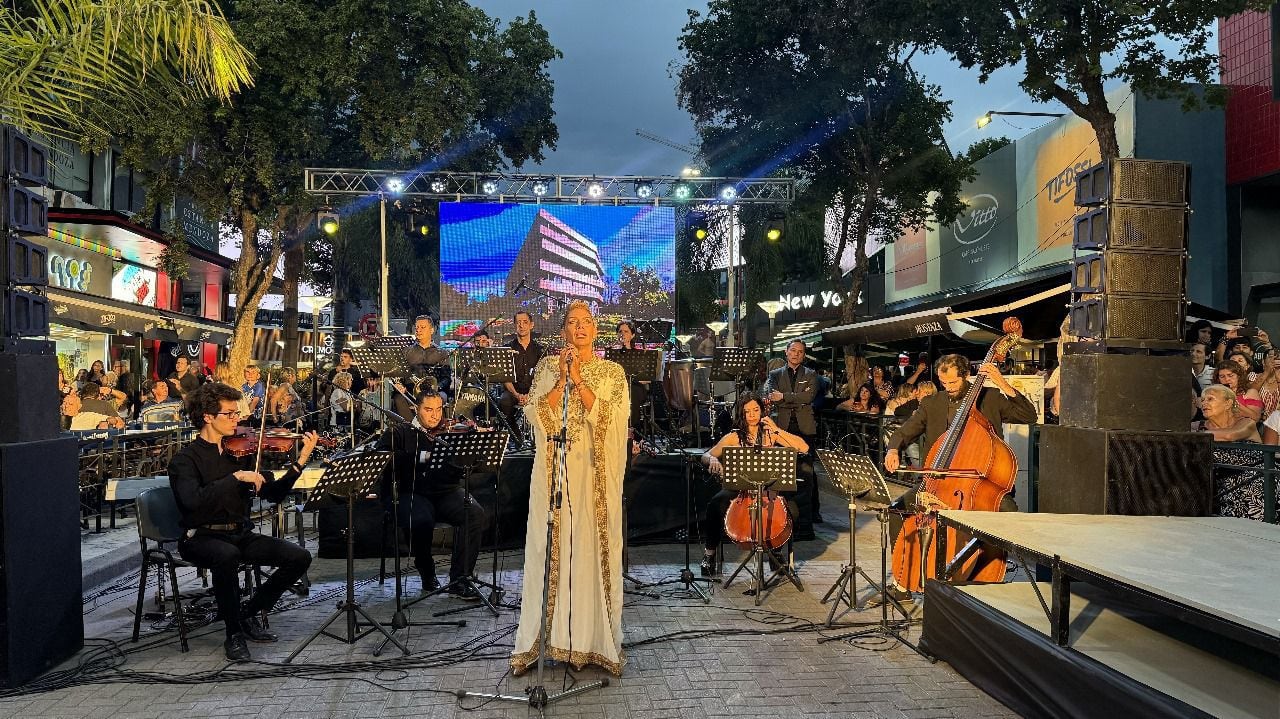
584, 604
752, 428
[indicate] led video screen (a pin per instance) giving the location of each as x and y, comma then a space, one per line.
620, 260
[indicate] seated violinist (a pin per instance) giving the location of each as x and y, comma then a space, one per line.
428, 496
753, 428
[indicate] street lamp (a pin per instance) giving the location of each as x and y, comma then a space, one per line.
717, 327
771, 308
986, 119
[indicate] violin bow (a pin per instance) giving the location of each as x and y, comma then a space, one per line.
262, 426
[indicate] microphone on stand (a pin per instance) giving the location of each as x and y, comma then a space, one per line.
524, 282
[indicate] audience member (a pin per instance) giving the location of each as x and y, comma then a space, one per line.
1230, 375
182, 380
1268, 383
1271, 429
1200, 367
881, 383
1223, 416
160, 406
906, 392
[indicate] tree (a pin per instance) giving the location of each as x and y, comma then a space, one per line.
1070, 50
640, 291
823, 90
69, 64
347, 83
984, 147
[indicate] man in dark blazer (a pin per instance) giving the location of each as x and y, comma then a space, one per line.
791, 388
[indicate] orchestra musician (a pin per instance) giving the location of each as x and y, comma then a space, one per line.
1002, 404
422, 359
427, 497
515, 395
214, 493
584, 612
752, 428
639, 389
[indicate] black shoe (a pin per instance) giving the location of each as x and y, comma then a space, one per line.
709, 566
236, 649
429, 583
255, 631
464, 591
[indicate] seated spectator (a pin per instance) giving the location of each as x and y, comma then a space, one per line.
160, 407
1223, 416
285, 405
76, 417
925, 388
1271, 429
99, 400
866, 401
906, 393
1230, 375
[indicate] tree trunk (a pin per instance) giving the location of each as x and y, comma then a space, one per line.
292, 271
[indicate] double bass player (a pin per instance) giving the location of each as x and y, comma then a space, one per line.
999, 405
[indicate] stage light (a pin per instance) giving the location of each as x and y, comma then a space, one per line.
683, 191
595, 190
438, 185
700, 233
395, 185
540, 188
696, 225
644, 190
691, 172
328, 221
728, 193
489, 187
774, 228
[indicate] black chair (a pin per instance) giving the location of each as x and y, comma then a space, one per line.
159, 529
158, 532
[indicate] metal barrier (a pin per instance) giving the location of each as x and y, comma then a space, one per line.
858, 433
1240, 469
119, 454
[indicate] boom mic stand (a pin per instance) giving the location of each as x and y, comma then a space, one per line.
536, 696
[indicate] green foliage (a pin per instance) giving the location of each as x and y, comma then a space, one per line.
70, 69
640, 289
174, 260
823, 91
983, 147
1070, 49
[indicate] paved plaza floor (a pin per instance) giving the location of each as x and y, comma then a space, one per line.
685, 658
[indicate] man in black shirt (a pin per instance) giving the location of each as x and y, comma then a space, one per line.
182, 381
214, 493
527, 355
426, 497
423, 360
791, 388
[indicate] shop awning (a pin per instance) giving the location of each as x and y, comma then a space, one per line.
99, 314
191, 329
971, 325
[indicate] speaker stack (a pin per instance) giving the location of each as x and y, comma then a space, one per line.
1123, 445
41, 600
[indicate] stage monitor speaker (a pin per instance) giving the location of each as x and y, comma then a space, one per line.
41, 597
28, 374
1126, 391
1144, 182
1108, 471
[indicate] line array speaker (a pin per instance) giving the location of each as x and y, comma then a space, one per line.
1130, 180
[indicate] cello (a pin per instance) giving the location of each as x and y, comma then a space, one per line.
740, 519
969, 467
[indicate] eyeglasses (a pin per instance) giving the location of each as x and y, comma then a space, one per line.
229, 413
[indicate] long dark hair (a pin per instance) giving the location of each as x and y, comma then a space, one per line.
874, 400
740, 417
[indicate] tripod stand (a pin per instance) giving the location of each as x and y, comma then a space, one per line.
536, 696
855, 475
886, 628
687, 577
754, 470
352, 476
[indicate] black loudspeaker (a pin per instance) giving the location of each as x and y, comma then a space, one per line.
1131, 227
41, 597
1129, 320
1119, 391
1120, 272
29, 386
1105, 471
1127, 179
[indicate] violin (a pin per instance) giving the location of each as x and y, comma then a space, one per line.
246, 441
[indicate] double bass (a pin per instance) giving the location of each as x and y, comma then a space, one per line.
969, 467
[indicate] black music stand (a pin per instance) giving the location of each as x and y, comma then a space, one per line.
687, 577
473, 452
349, 477
641, 366
739, 364
493, 365
755, 469
856, 476
863, 468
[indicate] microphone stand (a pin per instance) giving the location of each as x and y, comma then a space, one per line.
536, 696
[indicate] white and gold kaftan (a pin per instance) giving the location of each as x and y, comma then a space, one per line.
585, 602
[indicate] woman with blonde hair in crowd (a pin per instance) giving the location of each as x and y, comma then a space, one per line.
1223, 416
906, 392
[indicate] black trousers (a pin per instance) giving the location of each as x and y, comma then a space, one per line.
222, 553
806, 497
418, 515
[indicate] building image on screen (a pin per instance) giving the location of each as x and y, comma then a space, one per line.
618, 259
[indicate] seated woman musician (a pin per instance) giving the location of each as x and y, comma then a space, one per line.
752, 428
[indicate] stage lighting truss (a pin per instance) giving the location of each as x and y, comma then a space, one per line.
616, 190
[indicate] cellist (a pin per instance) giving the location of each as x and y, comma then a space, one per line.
999, 405
752, 428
